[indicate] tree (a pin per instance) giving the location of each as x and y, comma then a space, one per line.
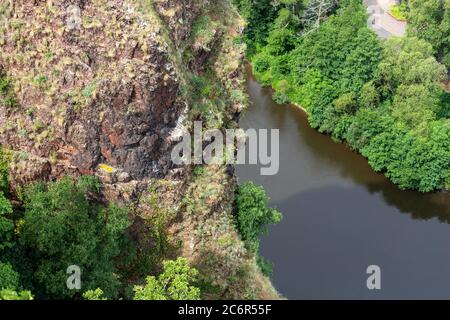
7, 294
96, 294
6, 224
316, 11
384, 98
411, 77
259, 15
9, 284
430, 20
63, 228
9, 279
4, 174
407, 61
253, 214
176, 282
283, 36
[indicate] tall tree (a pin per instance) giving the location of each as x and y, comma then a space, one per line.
430, 20
63, 228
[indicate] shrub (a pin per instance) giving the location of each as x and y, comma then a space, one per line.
253, 214
399, 11
176, 282
62, 228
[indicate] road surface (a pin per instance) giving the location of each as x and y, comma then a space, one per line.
381, 21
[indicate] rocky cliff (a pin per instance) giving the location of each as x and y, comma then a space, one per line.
103, 87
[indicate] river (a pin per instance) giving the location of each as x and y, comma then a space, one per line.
340, 217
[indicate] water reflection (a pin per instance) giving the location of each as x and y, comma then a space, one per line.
340, 214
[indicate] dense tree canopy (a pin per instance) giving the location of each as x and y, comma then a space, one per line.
57, 227
253, 214
430, 20
63, 228
384, 99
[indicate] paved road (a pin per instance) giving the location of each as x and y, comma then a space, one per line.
381, 21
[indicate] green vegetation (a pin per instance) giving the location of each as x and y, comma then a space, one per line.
385, 99
399, 11
253, 215
7, 294
56, 227
88, 91
63, 228
203, 32
259, 15
176, 282
7, 95
48, 226
60, 227
96, 294
430, 20
9, 279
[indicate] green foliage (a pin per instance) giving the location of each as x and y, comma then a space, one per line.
9, 284
253, 214
40, 81
203, 31
176, 282
206, 98
265, 265
9, 279
259, 16
88, 184
96, 294
385, 99
4, 171
62, 228
88, 91
408, 61
6, 224
6, 91
430, 21
399, 11
8, 294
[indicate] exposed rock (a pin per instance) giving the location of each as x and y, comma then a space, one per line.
179, 15
100, 90
114, 93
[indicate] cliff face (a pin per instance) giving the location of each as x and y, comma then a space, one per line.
103, 87
94, 84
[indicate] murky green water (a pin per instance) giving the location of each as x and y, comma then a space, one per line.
340, 217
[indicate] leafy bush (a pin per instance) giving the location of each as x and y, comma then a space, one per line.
253, 214
265, 265
399, 11
62, 228
9, 279
176, 282
7, 294
430, 20
6, 91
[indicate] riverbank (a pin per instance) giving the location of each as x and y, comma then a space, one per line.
358, 83
340, 216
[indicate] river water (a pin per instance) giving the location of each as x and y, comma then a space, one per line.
341, 217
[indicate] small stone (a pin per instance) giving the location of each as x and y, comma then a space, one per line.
123, 177
73, 20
